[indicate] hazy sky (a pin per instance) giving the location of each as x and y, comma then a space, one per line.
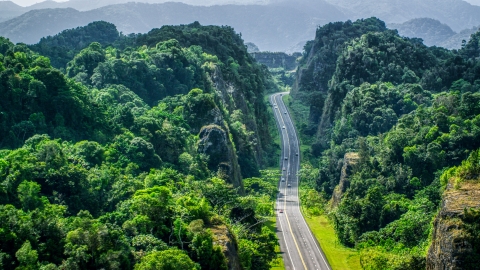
195, 2
192, 2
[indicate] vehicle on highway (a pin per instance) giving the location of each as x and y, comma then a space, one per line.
296, 154
281, 210
284, 169
286, 158
289, 185
283, 179
285, 112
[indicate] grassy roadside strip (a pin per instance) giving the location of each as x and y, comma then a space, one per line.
339, 257
277, 263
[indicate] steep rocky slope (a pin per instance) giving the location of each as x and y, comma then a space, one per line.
277, 60
455, 238
215, 143
350, 160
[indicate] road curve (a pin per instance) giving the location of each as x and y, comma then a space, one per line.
299, 247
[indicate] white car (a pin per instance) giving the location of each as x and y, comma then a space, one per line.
283, 127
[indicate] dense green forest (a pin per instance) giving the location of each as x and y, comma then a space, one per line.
137, 155
62, 47
145, 151
408, 111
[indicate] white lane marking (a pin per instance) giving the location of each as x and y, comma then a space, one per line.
281, 225
298, 203
296, 189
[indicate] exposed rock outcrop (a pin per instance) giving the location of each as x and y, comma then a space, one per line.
349, 162
216, 144
277, 59
226, 240
233, 99
452, 246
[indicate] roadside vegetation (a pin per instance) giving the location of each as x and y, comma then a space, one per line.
387, 116
102, 164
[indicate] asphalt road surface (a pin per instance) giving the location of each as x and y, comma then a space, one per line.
299, 247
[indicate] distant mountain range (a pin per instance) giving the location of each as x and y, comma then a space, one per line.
272, 28
457, 14
281, 25
433, 32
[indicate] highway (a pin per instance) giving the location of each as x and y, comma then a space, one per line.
299, 247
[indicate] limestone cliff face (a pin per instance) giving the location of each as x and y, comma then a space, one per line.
233, 99
452, 246
277, 60
226, 240
215, 143
349, 162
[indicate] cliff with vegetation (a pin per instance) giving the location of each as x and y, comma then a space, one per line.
276, 60
409, 111
350, 160
455, 238
136, 156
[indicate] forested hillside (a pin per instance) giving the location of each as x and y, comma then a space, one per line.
271, 27
388, 115
137, 156
61, 48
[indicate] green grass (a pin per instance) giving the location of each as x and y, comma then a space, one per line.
276, 264
338, 256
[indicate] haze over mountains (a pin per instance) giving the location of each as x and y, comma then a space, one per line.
273, 28
433, 32
278, 25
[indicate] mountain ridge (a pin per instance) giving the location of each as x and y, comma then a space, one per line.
272, 25
255, 22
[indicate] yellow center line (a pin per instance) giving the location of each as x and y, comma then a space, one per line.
285, 198
295, 241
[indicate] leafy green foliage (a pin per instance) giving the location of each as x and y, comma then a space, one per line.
62, 47
100, 168
168, 259
409, 112
38, 99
